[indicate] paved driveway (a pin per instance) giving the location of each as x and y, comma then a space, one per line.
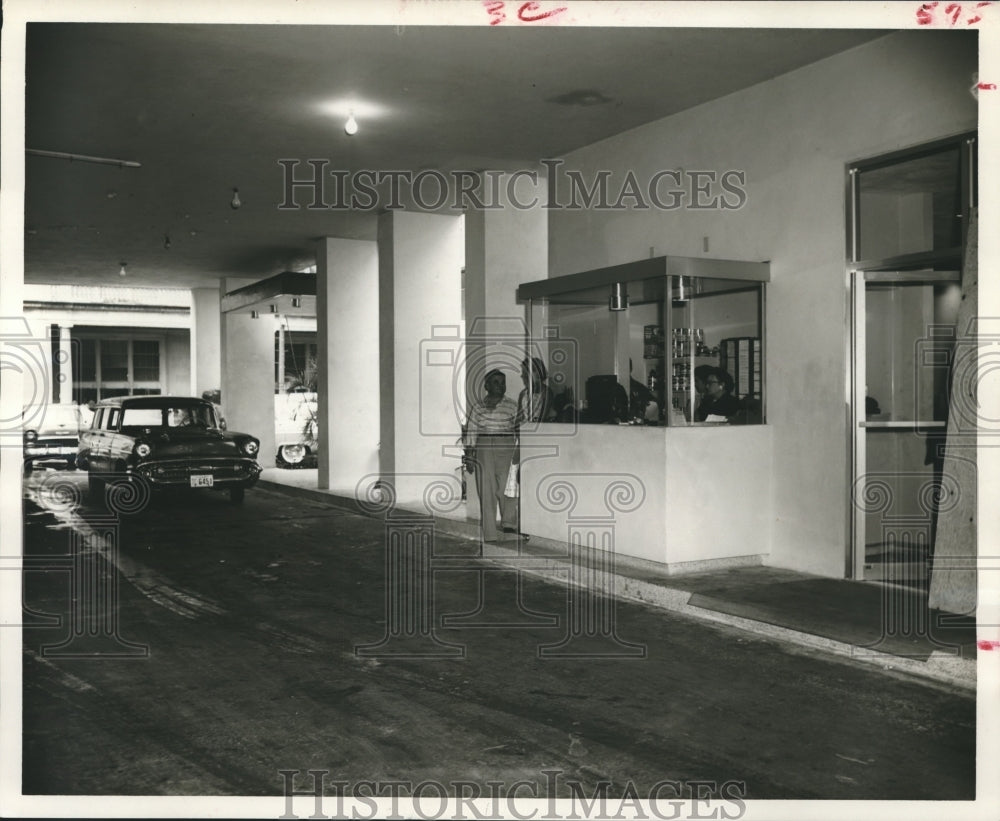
253, 639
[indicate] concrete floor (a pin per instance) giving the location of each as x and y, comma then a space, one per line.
253, 615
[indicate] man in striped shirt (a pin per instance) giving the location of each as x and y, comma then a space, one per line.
491, 439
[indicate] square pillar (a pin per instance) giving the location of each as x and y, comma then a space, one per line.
248, 375
420, 259
503, 248
347, 325
206, 341
65, 358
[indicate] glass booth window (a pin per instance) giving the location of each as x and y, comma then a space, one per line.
668, 350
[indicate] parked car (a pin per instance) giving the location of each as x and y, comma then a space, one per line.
166, 441
51, 436
296, 429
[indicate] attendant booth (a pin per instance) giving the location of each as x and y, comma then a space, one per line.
636, 444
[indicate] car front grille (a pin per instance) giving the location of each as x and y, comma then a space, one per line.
222, 471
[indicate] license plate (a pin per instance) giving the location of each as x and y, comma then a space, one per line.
202, 480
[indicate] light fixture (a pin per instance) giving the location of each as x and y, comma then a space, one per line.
166, 241
122, 271
235, 202
296, 302
685, 288
351, 126
254, 315
619, 297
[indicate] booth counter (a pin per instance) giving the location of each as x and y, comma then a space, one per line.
688, 498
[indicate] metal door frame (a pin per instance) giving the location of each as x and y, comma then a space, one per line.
858, 425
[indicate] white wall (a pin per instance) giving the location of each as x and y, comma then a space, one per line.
348, 360
793, 137
178, 360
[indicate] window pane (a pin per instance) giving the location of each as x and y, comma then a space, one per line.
87, 357
910, 206
909, 336
114, 361
142, 417
146, 360
647, 363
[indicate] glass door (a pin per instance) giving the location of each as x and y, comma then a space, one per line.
903, 336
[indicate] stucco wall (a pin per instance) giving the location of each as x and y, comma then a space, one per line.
178, 354
792, 136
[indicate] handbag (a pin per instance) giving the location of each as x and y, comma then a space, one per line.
512, 488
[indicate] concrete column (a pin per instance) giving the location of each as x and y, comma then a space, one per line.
347, 325
206, 341
420, 259
248, 374
503, 248
65, 356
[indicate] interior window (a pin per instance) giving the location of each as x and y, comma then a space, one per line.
142, 417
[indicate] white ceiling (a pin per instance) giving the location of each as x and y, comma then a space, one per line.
209, 108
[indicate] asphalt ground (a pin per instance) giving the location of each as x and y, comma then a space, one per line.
260, 638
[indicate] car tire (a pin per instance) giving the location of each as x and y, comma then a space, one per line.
236, 495
291, 456
28, 467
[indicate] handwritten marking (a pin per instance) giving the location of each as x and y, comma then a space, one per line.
530, 12
494, 8
987, 86
986, 644
531, 6
927, 14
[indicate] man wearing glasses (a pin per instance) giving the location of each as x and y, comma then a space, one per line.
718, 404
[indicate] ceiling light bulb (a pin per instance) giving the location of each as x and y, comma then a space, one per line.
351, 126
236, 203
121, 271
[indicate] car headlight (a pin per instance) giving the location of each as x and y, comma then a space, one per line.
250, 447
142, 450
30, 435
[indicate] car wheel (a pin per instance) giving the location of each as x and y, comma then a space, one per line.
28, 467
291, 455
236, 495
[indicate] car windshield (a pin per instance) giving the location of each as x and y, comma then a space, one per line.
170, 416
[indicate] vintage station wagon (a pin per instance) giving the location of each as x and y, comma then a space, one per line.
51, 436
166, 441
